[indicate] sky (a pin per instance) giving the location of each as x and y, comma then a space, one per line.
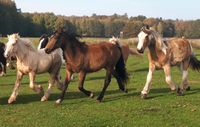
167, 9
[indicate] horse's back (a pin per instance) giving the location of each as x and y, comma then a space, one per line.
102, 55
105, 49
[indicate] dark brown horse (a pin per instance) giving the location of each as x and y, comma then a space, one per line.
2, 60
82, 58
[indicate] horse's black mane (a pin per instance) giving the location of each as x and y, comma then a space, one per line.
43, 36
73, 40
2, 45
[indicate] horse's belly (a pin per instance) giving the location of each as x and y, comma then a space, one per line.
43, 67
158, 65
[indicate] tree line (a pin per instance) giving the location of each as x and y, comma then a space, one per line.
35, 24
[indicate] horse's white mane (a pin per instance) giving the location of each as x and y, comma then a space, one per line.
159, 40
26, 42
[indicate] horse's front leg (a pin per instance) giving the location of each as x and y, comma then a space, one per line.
173, 87
33, 86
65, 86
16, 87
81, 83
147, 86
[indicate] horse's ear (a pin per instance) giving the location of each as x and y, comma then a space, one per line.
146, 29
18, 36
8, 35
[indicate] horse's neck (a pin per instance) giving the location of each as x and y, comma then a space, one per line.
74, 50
21, 56
22, 53
155, 53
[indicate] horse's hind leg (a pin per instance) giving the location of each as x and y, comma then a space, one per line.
16, 87
119, 82
184, 68
33, 86
65, 86
81, 83
48, 92
58, 82
106, 83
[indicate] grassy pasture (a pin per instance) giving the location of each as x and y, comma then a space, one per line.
163, 108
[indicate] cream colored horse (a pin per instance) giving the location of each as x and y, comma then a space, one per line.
164, 54
126, 50
32, 61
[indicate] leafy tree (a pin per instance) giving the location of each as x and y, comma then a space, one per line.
132, 29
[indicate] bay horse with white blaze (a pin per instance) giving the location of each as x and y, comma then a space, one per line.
177, 51
82, 58
32, 61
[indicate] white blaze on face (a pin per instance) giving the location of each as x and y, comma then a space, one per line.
9, 45
40, 43
141, 38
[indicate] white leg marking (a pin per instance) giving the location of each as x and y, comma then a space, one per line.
148, 82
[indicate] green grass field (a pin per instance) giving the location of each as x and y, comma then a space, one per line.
162, 109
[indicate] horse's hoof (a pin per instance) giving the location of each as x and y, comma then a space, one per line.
143, 96
3, 74
179, 92
126, 90
99, 100
44, 98
11, 100
91, 95
58, 101
188, 88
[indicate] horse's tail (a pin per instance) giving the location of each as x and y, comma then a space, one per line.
121, 72
194, 63
133, 51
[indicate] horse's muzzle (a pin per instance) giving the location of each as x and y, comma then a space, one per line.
140, 51
6, 55
48, 51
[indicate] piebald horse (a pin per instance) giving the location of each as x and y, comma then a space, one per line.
177, 51
83, 58
32, 61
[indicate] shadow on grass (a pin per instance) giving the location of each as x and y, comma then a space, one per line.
26, 83
117, 95
158, 92
142, 69
25, 99
95, 78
